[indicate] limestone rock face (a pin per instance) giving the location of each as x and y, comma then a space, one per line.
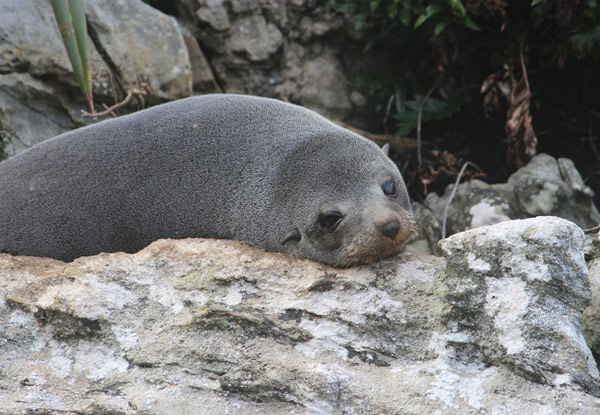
213, 327
129, 43
591, 316
518, 318
545, 186
288, 50
145, 44
301, 51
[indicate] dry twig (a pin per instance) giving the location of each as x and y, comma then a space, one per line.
138, 93
447, 204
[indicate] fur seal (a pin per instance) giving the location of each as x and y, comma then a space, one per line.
272, 174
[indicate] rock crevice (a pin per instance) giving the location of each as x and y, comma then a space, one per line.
494, 326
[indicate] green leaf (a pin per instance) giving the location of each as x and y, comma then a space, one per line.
70, 19
405, 16
360, 21
421, 20
407, 121
65, 26
534, 2
374, 5
439, 27
458, 7
471, 24
392, 10
79, 25
433, 9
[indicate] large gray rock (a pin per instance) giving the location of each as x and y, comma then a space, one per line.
213, 327
39, 96
254, 37
517, 292
144, 44
287, 50
591, 316
31, 110
30, 41
295, 51
545, 186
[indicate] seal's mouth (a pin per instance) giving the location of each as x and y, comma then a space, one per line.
366, 249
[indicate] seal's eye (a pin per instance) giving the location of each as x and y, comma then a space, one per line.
389, 188
330, 220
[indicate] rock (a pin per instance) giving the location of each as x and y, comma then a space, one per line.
517, 292
40, 97
144, 44
325, 87
215, 14
544, 187
255, 37
241, 6
591, 316
31, 112
202, 76
228, 328
244, 39
30, 41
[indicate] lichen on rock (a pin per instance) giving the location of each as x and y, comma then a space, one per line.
218, 325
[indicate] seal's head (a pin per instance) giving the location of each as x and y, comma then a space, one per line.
347, 200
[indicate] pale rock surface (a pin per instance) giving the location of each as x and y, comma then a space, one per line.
253, 36
215, 327
527, 279
591, 316
545, 186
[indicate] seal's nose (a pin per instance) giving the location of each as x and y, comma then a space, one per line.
390, 229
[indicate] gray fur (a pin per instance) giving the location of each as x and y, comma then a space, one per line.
221, 166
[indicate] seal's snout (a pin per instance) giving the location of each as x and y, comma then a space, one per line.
390, 228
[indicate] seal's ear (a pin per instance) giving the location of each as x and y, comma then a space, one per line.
386, 148
293, 235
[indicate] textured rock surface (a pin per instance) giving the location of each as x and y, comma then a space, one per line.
591, 316
39, 97
545, 186
220, 326
300, 51
289, 50
144, 44
527, 282
31, 110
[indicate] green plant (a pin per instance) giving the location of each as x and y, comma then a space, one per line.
479, 56
70, 18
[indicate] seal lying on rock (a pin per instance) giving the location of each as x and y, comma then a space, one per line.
272, 174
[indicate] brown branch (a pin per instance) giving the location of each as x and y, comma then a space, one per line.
109, 109
143, 91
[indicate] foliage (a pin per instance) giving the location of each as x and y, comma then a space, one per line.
70, 18
466, 50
